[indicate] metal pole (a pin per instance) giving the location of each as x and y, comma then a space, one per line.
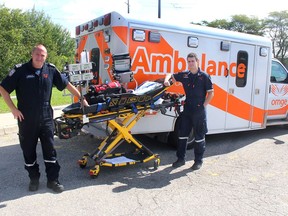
159, 9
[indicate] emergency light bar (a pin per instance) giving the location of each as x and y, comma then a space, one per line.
94, 24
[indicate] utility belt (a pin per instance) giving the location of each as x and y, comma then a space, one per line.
193, 103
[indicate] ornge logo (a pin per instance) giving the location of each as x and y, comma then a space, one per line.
279, 91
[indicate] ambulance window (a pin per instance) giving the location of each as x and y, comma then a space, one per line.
242, 69
278, 73
154, 37
138, 35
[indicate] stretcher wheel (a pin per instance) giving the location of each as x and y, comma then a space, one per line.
82, 162
95, 171
156, 163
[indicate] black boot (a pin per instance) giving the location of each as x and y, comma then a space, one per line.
178, 163
34, 185
55, 186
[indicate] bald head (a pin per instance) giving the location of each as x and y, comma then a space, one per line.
39, 55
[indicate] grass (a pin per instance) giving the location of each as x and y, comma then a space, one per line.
57, 100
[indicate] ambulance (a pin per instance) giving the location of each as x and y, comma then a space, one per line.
250, 88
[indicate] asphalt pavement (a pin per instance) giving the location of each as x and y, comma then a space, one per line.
244, 173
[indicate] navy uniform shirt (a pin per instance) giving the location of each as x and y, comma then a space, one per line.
195, 86
33, 86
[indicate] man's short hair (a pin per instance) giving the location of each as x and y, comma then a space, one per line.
192, 55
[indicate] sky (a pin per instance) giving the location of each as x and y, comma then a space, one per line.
70, 13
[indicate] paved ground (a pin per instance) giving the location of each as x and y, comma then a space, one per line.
8, 124
243, 174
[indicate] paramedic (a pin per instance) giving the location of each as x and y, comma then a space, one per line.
33, 82
199, 92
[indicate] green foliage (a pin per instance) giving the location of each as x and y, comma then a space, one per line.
244, 24
57, 99
21, 31
277, 28
239, 23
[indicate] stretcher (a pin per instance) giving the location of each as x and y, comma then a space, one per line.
121, 112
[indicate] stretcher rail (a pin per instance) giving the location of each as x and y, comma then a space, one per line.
130, 108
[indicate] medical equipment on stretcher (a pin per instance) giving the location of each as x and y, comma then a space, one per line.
121, 111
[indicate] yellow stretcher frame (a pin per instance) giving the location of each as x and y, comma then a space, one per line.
121, 131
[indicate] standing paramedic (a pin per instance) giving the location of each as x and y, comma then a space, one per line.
33, 82
199, 91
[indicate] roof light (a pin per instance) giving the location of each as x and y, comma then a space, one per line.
263, 51
95, 23
77, 30
107, 19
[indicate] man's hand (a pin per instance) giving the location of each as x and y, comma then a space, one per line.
167, 83
17, 114
84, 103
167, 80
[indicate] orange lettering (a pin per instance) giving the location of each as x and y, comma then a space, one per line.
178, 61
222, 65
140, 61
159, 63
203, 60
241, 70
211, 69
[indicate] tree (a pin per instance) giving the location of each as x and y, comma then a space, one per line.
239, 23
277, 29
23, 30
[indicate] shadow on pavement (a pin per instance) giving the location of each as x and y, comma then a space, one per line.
14, 179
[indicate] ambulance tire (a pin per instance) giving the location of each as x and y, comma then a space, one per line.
173, 136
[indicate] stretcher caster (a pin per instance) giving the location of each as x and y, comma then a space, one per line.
95, 171
156, 163
82, 162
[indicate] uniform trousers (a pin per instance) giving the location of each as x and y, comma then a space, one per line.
192, 118
30, 130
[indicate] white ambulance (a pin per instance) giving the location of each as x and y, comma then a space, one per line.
251, 88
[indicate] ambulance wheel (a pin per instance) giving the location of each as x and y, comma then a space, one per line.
156, 163
173, 136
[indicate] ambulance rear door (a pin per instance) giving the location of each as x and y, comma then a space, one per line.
239, 110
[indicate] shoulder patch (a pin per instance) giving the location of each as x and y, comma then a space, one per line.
18, 65
52, 65
11, 72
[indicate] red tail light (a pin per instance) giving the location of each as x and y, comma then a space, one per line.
107, 19
77, 30
95, 23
